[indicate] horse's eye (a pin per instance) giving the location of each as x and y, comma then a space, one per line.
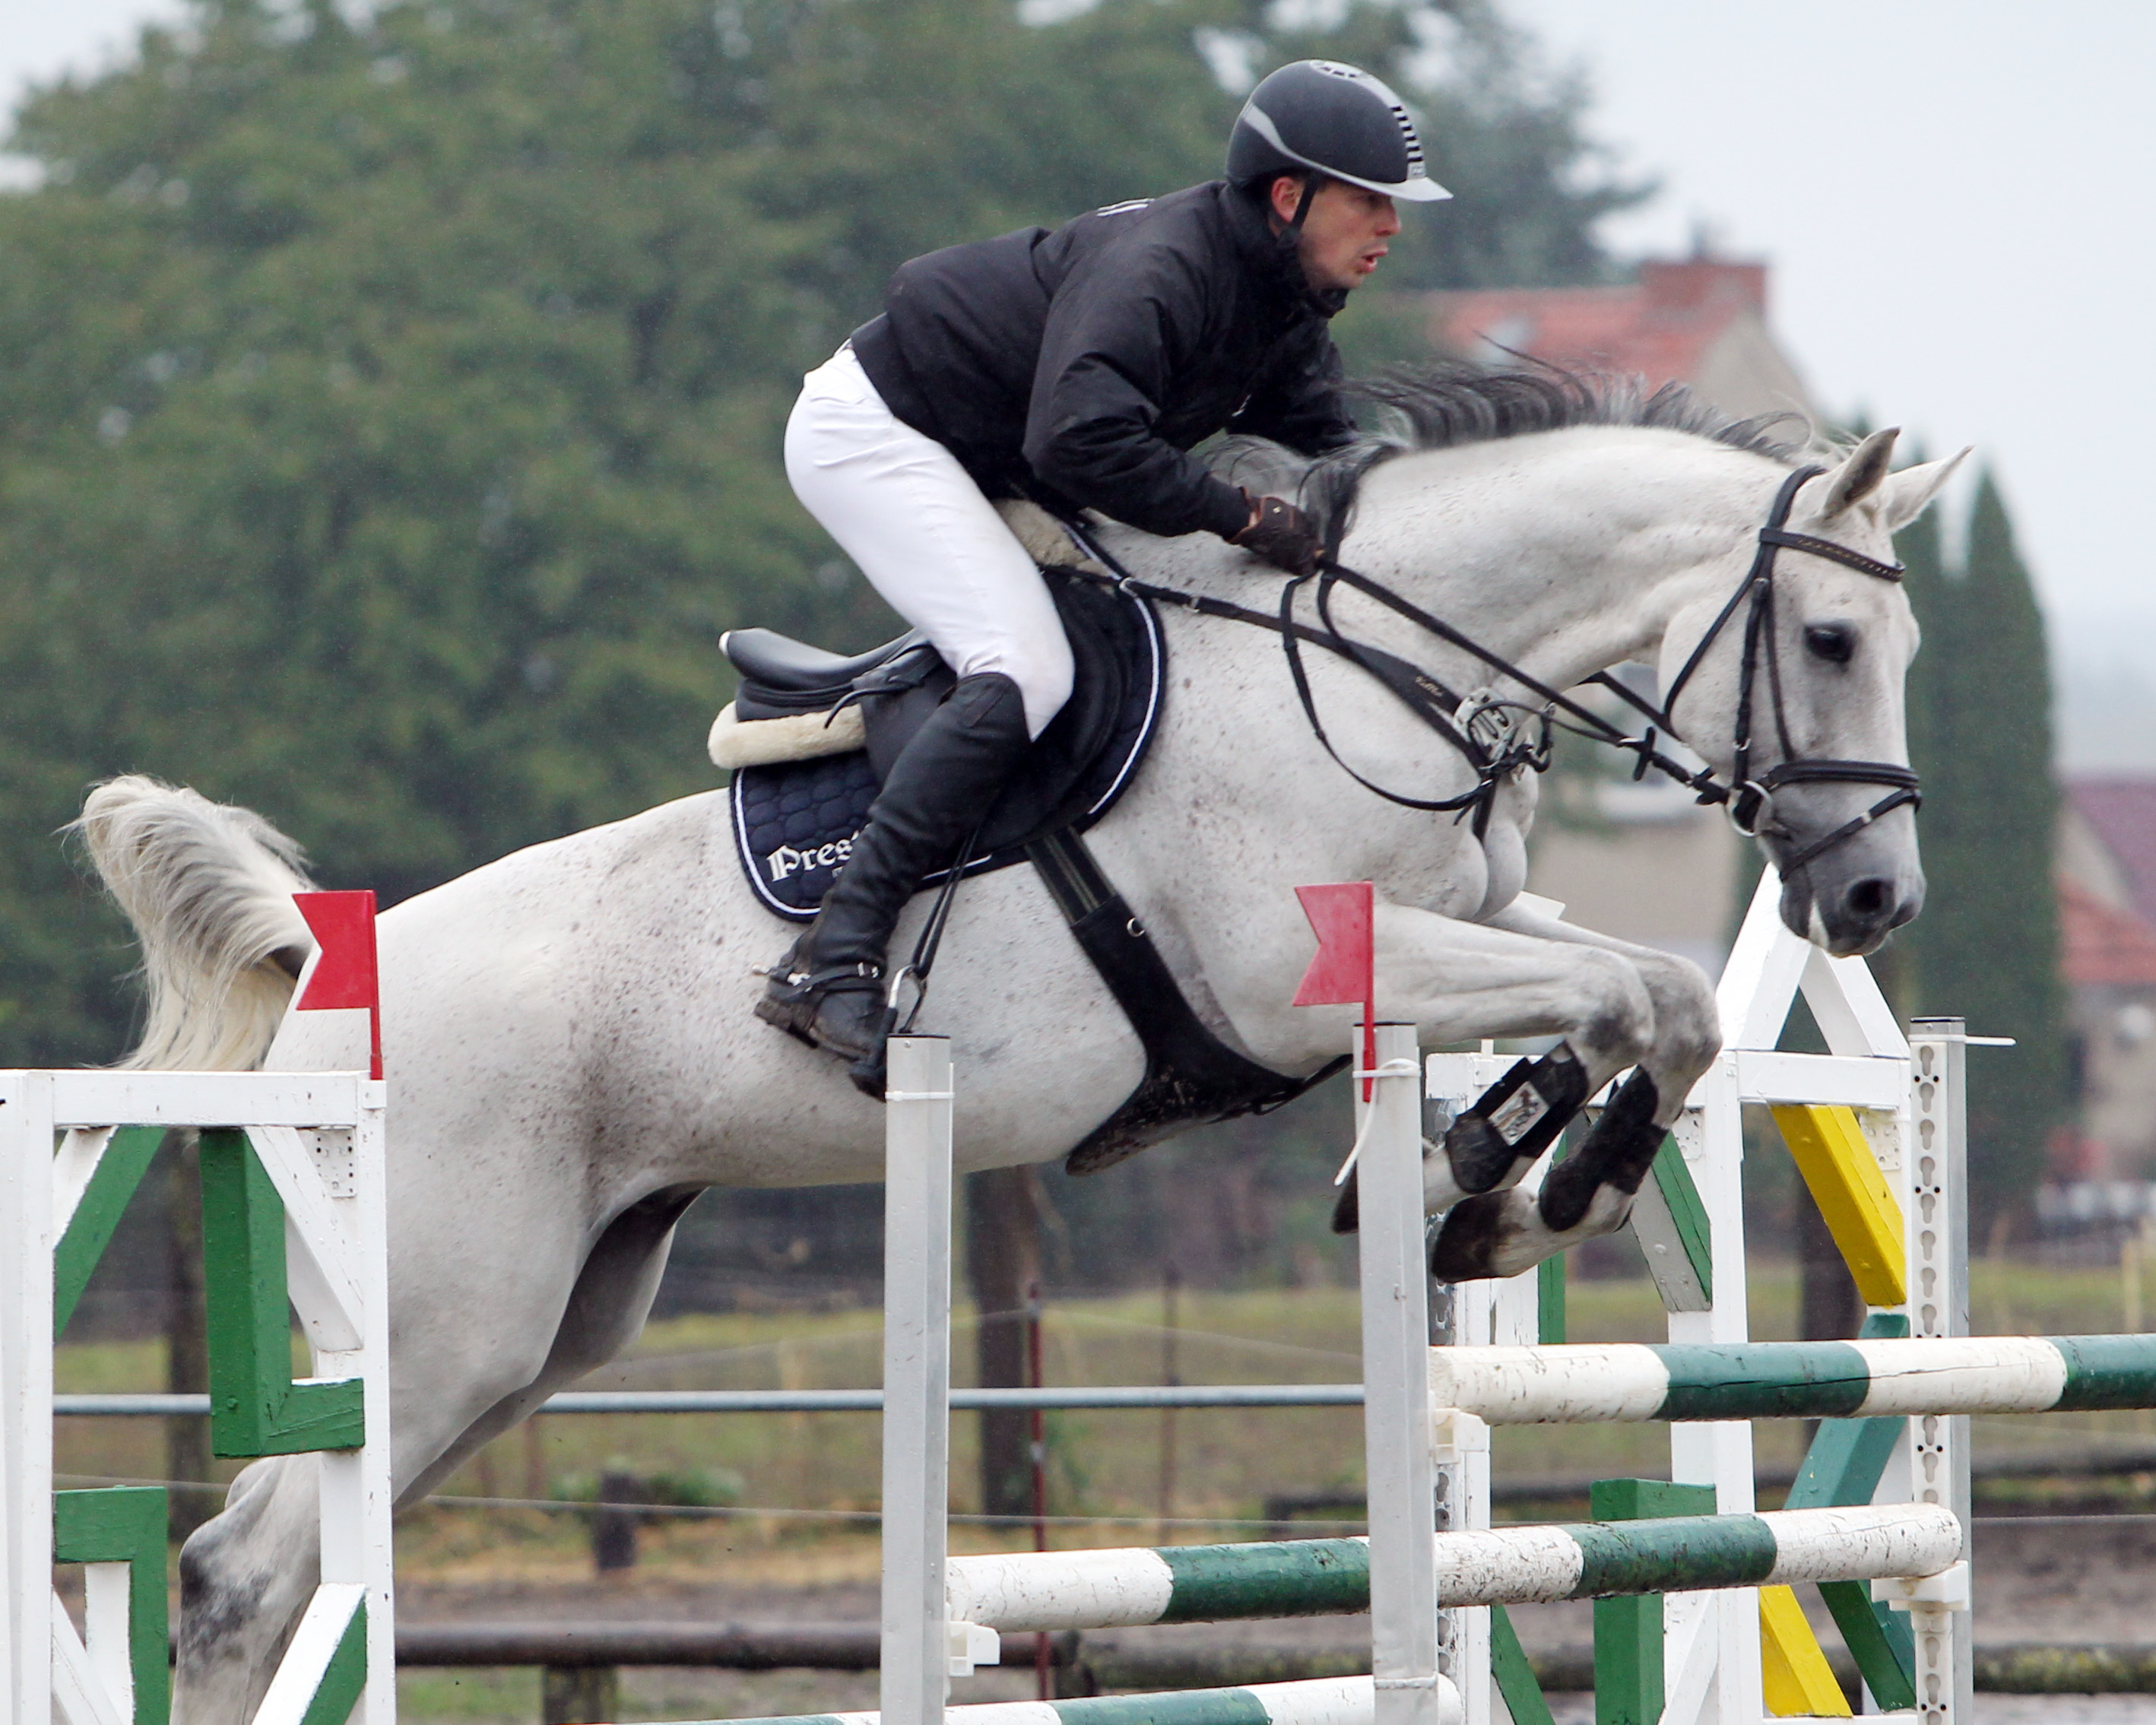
1833, 642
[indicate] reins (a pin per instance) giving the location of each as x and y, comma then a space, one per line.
1498, 745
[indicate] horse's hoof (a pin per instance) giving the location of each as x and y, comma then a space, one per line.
1347, 1208
1465, 1246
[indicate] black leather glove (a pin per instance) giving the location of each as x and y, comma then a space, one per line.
1282, 535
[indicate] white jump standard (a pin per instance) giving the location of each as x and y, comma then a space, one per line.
1875, 1127
294, 1206
944, 1615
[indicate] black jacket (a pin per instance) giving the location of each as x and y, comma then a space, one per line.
1089, 360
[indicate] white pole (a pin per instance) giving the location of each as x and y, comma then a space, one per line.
1754, 997
1501, 1313
27, 1239
378, 1567
1404, 1625
916, 1378
1935, 1219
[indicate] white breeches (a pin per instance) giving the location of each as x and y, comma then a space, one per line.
903, 509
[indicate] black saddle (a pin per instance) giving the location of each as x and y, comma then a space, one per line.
781, 675
794, 821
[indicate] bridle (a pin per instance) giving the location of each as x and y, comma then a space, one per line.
1499, 737
1751, 799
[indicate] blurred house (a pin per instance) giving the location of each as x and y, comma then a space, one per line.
1700, 321
2106, 863
1660, 869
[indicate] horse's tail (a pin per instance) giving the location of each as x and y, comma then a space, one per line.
208, 887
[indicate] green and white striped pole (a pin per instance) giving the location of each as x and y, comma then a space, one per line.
1324, 1701
1028, 1591
1796, 1380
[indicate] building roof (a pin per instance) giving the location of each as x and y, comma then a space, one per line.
1661, 326
2122, 811
2101, 945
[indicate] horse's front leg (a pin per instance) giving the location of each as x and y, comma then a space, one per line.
1506, 1230
1611, 1005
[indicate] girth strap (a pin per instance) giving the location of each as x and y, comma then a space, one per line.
1191, 1077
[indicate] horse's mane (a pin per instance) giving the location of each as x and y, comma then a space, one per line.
1442, 403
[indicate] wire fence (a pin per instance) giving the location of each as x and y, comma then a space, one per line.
1055, 1397
694, 1511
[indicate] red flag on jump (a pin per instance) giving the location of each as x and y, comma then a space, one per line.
1344, 971
344, 977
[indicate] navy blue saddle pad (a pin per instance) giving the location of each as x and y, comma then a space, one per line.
794, 822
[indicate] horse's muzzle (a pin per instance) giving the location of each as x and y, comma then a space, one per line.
1850, 906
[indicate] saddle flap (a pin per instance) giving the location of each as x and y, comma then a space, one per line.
794, 820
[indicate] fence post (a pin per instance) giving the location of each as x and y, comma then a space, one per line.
28, 1237
1402, 1475
1936, 1227
579, 1694
917, 1379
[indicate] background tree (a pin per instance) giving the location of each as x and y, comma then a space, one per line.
1987, 946
390, 410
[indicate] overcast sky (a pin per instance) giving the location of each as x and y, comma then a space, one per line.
1956, 197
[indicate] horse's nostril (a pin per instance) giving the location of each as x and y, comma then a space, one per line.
1872, 897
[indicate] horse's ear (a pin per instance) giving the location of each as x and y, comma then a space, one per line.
1865, 470
1910, 492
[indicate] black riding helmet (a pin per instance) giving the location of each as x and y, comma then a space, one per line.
1319, 113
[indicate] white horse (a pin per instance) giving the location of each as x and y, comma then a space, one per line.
568, 1036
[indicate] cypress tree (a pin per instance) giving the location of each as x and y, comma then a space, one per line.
1987, 946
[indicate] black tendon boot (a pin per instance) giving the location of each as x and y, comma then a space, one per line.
1618, 1153
1515, 1121
830, 990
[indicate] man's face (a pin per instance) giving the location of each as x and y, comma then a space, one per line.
1344, 233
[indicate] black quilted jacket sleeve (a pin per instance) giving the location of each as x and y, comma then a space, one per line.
1123, 330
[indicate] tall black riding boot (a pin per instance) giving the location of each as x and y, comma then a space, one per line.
829, 991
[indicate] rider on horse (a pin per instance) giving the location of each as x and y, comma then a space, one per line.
1079, 366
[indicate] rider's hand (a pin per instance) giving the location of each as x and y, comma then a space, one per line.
1282, 535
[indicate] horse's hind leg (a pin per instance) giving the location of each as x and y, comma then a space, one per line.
605, 1313
245, 1577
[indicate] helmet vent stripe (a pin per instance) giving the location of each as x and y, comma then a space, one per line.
1409, 137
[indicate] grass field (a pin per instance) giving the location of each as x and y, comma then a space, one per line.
1102, 1465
